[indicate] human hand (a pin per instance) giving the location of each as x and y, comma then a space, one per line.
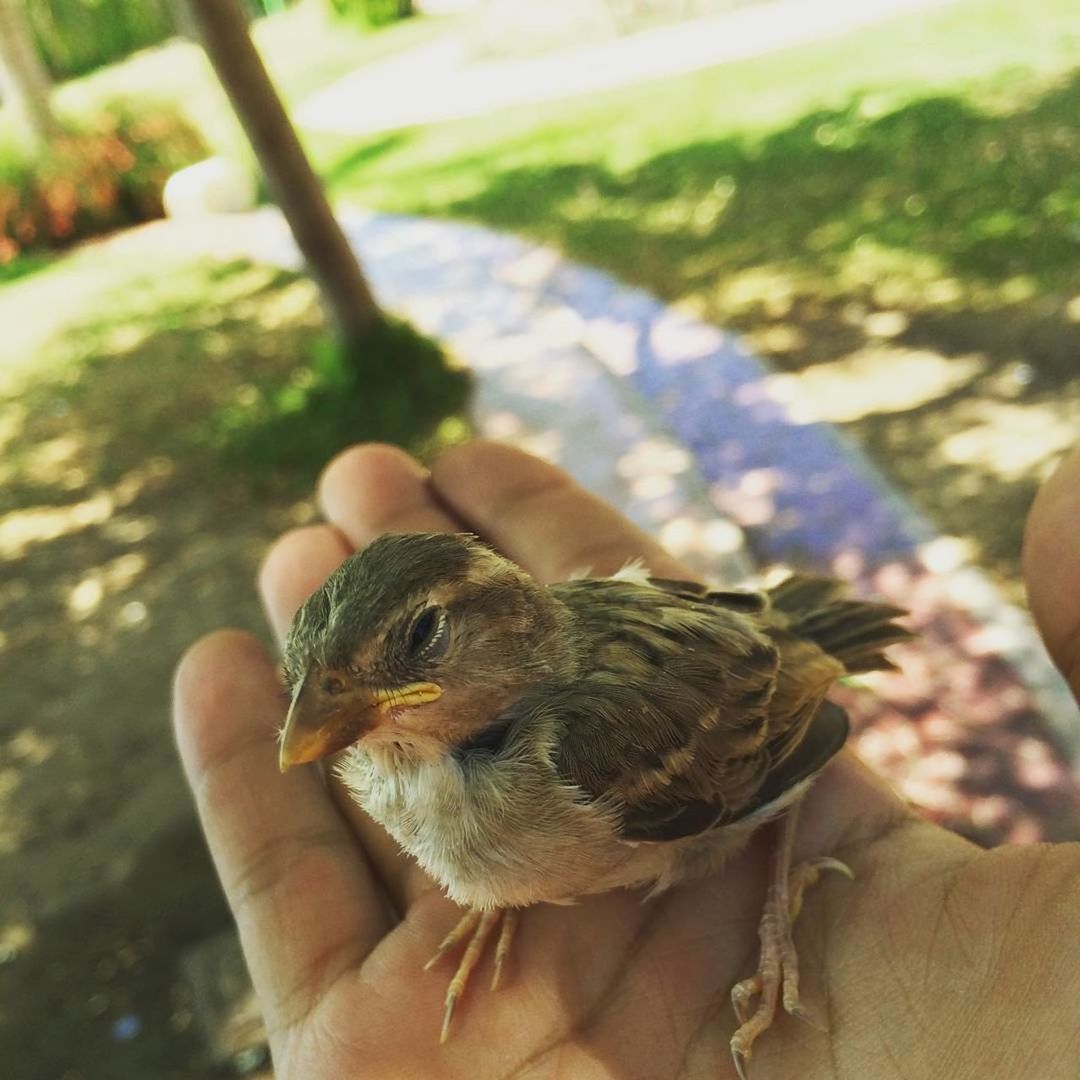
939, 960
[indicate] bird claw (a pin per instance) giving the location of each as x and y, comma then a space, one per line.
448, 1015
742, 994
776, 980
801, 1012
741, 1059
477, 926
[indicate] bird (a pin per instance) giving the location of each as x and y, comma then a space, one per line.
529, 743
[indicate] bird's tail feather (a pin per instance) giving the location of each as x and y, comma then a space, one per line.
855, 632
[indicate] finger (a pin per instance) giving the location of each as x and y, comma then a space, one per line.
305, 901
372, 489
1052, 565
294, 567
539, 516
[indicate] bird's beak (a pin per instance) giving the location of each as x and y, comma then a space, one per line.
319, 724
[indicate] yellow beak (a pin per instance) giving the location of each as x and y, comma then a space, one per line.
319, 724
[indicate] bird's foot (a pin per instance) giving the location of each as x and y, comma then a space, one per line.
476, 926
777, 977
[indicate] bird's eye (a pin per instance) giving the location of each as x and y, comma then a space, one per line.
430, 635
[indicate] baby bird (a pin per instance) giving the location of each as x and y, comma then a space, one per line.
529, 743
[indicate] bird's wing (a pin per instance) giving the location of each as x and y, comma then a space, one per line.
822, 739
675, 720
747, 601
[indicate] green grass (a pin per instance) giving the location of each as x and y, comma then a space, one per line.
120, 324
304, 48
942, 144
924, 169
132, 352
904, 195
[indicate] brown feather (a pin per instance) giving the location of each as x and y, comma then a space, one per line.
699, 699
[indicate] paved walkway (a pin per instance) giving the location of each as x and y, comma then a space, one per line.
672, 421
438, 82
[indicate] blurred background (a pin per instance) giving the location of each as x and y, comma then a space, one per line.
876, 205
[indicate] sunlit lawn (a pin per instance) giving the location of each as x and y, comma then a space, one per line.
948, 140
892, 216
98, 306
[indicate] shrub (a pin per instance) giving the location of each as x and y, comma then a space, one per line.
92, 179
397, 387
373, 12
75, 36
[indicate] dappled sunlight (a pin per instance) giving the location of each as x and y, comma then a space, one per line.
1010, 440
13, 417
85, 597
56, 461
675, 339
767, 288
22, 529
894, 252
878, 378
703, 543
613, 343
532, 269
14, 823
292, 303
110, 491
15, 938
903, 258
751, 501
954, 730
651, 467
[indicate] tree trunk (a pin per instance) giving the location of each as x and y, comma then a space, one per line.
297, 190
24, 82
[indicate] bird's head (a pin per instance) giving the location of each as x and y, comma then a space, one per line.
413, 646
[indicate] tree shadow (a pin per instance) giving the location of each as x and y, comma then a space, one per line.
98, 992
957, 222
987, 196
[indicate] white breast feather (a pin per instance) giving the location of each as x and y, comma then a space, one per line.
496, 832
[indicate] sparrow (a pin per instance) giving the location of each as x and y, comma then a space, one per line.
528, 743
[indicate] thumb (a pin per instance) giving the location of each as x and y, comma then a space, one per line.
1052, 566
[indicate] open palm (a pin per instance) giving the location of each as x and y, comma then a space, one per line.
939, 960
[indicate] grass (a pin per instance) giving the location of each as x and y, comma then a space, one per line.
112, 377
906, 193
889, 216
856, 127
131, 322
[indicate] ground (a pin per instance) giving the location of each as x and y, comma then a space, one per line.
890, 219
146, 545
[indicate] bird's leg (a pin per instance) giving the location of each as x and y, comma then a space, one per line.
477, 926
506, 939
777, 977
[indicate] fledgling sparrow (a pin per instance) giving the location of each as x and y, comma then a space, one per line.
529, 743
